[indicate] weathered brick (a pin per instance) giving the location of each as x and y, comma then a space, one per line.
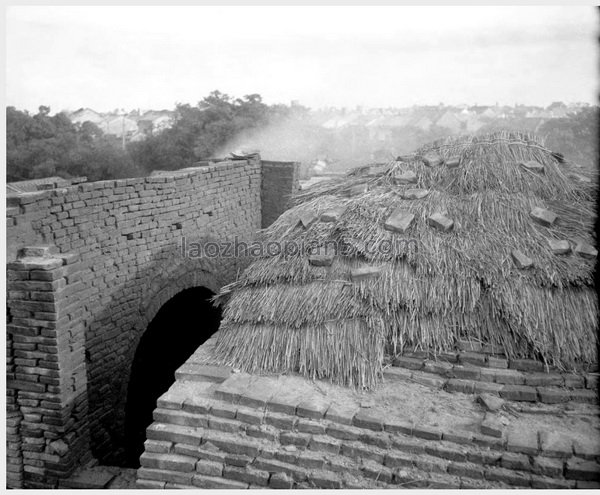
224, 425
381, 440
311, 427
222, 410
588, 447
543, 379
398, 426
519, 393
571, 380
324, 444
274, 466
235, 445
462, 386
256, 397
310, 460
377, 472
409, 363
553, 396
366, 419
440, 222
399, 221
312, 409
512, 460
341, 414
585, 250
457, 436
427, 432
326, 480
484, 457
526, 365
496, 362
511, 478
343, 432
555, 444
408, 444
246, 475
396, 459
446, 452
177, 417
298, 439
543, 216
209, 482
250, 416
281, 481
524, 441
587, 396
465, 470
540, 482
263, 432
428, 380
169, 462
520, 260
172, 433
239, 460
159, 447
579, 469
547, 466
280, 421
209, 468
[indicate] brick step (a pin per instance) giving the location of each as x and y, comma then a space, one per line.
411, 360
510, 384
230, 421
474, 352
202, 373
224, 404
382, 465
207, 451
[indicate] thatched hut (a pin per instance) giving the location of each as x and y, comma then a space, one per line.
486, 238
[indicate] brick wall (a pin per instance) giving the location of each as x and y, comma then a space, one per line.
110, 258
218, 429
48, 379
280, 180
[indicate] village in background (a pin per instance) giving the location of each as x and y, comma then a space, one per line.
329, 141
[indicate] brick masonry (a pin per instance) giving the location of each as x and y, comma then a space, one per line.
109, 256
262, 444
280, 180
472, 369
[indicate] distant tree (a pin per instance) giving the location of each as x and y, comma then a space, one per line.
202, 130
42, 145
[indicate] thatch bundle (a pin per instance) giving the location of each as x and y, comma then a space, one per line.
286, 314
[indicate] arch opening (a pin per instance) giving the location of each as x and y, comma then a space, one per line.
181, 325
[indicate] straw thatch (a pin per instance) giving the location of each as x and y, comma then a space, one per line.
285, 314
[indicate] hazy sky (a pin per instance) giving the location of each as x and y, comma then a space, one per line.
153, 57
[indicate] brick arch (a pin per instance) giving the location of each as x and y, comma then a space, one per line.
169, 281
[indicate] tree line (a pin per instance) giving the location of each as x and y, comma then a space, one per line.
42, 145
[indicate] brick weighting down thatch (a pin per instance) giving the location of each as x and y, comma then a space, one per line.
480, 265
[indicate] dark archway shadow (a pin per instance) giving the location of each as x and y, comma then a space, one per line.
181, 325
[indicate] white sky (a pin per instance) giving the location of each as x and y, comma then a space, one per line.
153, 57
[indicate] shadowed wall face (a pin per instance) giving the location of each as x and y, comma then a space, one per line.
182, 324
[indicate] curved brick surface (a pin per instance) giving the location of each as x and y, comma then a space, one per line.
472, 369
325, 445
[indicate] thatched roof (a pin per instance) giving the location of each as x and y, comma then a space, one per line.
471, 281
